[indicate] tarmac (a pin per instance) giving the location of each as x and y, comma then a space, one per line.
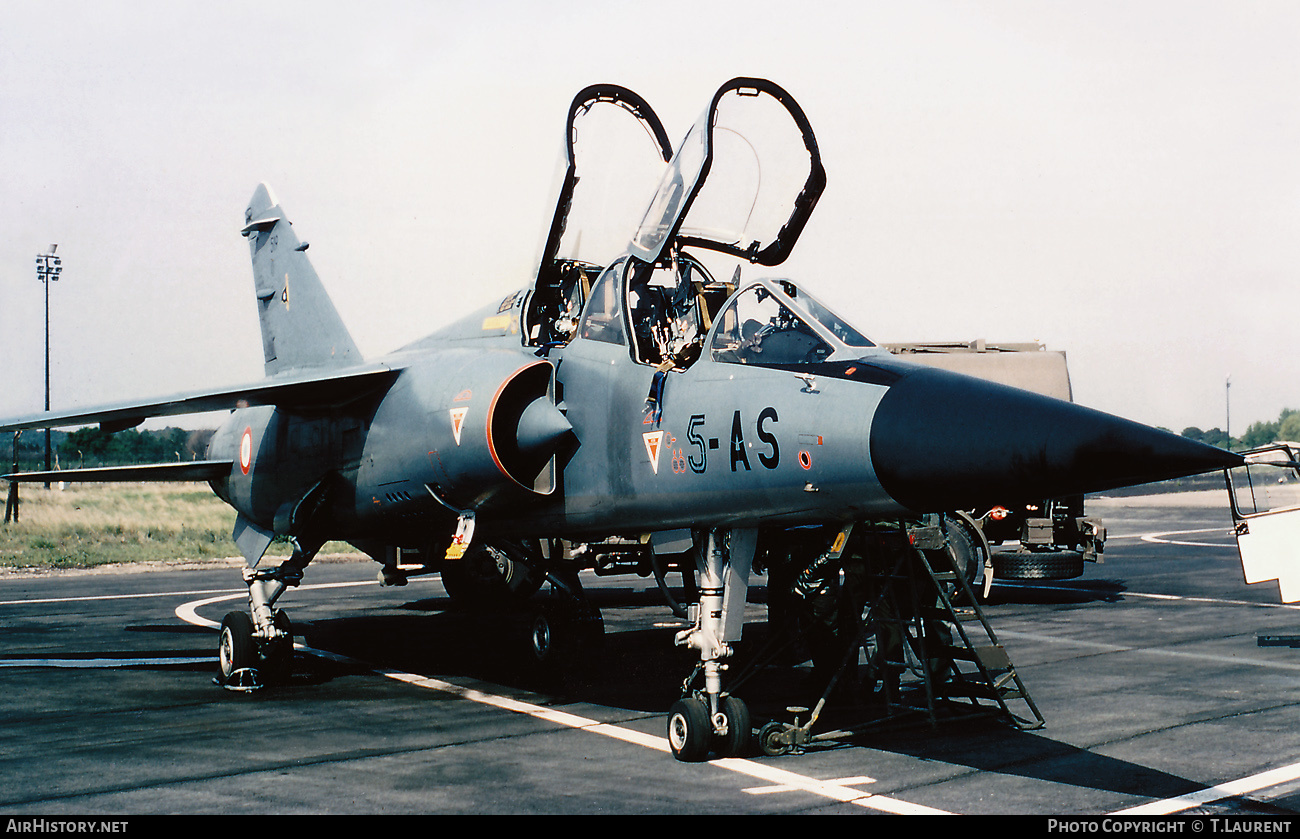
1158, 700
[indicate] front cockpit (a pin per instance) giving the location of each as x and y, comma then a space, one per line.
773, 323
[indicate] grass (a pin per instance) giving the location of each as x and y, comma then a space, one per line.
86, 525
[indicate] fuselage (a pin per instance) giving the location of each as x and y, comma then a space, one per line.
582, 440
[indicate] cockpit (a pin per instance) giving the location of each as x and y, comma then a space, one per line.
758, 327
663, 312
668, 317
767, 325
743, 183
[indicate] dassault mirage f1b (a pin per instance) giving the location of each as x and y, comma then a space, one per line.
628, 402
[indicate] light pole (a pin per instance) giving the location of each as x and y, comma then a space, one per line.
48, 268
1227, 409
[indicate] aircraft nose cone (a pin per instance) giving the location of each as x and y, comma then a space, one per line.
942, 441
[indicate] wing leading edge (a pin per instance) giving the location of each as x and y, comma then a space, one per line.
315, 390
199, 470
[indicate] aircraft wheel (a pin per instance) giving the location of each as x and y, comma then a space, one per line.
739, 731
559, 639
544, 637
769, 739
520, 572
236, 650
964, 551
689, 730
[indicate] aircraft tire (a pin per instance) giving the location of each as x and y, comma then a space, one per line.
1037, 565
545, 637
560, 640
689, 730
235, 650
962, 552
739, 729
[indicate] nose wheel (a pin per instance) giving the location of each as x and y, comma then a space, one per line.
711, 720
689, 729
694, 733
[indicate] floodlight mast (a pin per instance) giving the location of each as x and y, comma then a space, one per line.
48, 268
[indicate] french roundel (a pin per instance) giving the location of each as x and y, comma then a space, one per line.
246, 451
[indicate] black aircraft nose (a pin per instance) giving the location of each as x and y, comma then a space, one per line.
942, 441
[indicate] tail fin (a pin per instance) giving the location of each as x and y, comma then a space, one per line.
300, 326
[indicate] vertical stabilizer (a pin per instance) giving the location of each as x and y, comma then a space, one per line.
300, 326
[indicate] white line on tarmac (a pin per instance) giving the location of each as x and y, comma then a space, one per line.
1152, 596
1159, 537
104, 663
855, 781
828, 789
111, 597
1245, 786
187, 611
1120, 648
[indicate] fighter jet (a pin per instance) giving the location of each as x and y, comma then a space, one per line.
628, 402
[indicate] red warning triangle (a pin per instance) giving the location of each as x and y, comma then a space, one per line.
653, 440
458, 422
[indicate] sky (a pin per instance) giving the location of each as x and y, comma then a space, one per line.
1118, 180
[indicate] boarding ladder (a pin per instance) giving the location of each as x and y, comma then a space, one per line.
928, 655
950, 652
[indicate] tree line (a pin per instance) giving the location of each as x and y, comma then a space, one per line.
1285, 427
91, 447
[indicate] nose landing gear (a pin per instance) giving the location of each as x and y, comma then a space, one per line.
256, 649
711, 720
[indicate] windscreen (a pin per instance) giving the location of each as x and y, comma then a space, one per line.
1266, 482
837, 326
758, 328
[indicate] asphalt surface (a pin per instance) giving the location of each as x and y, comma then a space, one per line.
1147, 670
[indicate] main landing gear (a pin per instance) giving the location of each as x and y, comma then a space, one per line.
707, 720
561, 633
256, 647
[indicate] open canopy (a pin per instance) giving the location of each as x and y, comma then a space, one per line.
743, 182
615, 151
